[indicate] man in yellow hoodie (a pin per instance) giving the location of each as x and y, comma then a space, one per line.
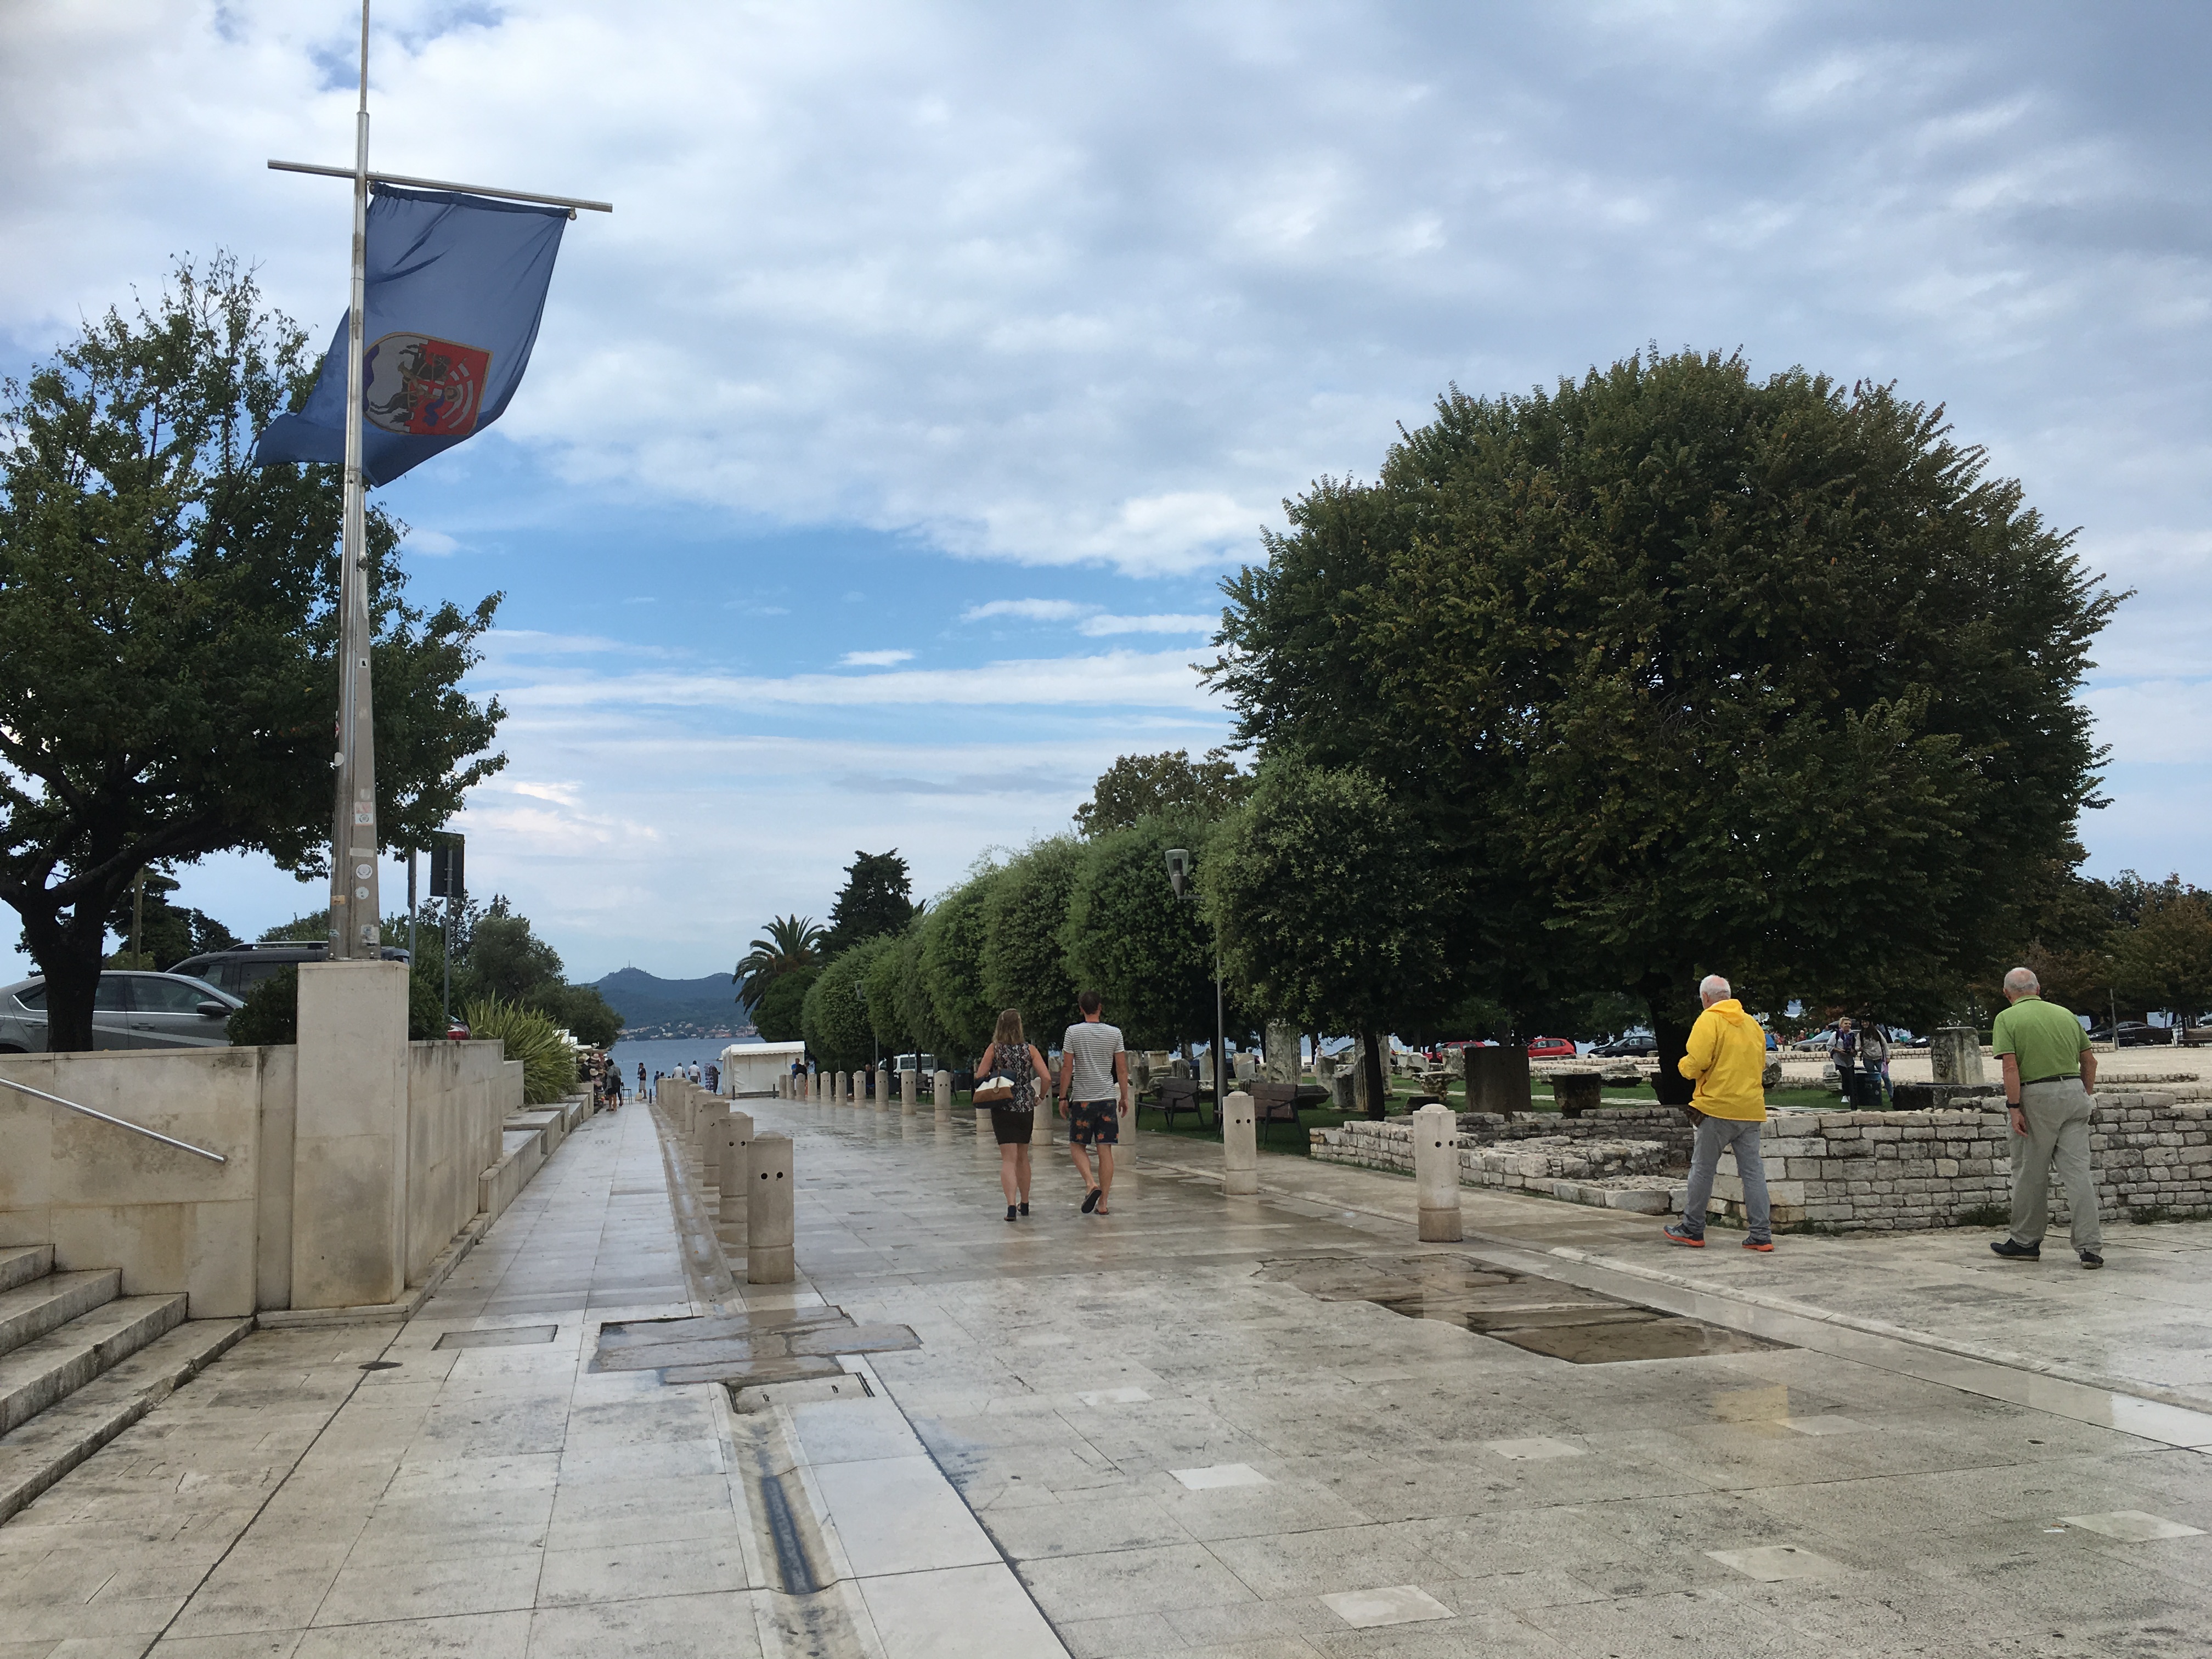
1726, 1058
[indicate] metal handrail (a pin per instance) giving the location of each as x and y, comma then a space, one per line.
120, 1123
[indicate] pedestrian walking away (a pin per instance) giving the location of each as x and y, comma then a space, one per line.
1014, 1059
1094, 1081
1874, 1058
1726, 1058
614, 1088
2049, 1082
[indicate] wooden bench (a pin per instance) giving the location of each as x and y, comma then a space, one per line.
1279, 1103
1178, 1094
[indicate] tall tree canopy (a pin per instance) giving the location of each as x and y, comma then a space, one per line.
167, 621
1683, 670
877, 898
1128, 936
793, 945
1025, 964
1138, 786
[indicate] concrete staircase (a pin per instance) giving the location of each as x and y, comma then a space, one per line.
80, 1363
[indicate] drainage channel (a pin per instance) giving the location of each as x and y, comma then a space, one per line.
1543, 1315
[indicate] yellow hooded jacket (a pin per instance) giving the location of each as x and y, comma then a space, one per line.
1726, 1056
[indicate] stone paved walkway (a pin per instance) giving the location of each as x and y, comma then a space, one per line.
1183, 1452
1174, 1437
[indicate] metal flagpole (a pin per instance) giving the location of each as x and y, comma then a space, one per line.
354, 913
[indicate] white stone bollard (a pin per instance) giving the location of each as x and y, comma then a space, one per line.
941, 1086
1436, 1173
910, 1092
1240, 1145
840, 1085
769, 1216
734, 1161
708, 1137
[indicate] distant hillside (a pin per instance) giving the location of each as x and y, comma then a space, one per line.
645, 999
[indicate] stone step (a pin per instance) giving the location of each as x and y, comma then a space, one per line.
21, 1264
50, 1444
49, 1368
29, 1312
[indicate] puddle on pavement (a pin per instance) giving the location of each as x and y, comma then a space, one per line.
745, 1350
1543, 1315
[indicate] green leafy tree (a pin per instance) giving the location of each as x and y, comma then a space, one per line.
1330, 909
169, 933
834, 1018
778, 1015
167, 621
583, 1011
506, 961
952, 939
877, 898
900, 1013
311, 929
2164, 962
793, 945
1024, 915
1128, 936
1682, 671
1165, 786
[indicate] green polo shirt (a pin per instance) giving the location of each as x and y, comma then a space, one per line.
2048, 1040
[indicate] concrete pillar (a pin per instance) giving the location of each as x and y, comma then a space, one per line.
910, 1092
1955, 1054
1577, 1091
942, 1088
769, 1216
708, 1137
1436, 1173
733, 1164
1498, 1081
349, 1136
1240, 1145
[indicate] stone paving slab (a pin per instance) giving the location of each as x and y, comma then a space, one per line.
1073, 1371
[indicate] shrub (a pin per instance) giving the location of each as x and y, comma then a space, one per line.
272, 1013
548, 1065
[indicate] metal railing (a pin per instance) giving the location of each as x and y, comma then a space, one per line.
120, 1123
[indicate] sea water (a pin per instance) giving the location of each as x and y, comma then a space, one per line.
666, 1054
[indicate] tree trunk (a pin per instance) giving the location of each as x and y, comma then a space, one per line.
1370, 1066
67, 950
1670, 1025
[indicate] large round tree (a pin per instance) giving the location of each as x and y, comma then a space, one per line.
1684, 671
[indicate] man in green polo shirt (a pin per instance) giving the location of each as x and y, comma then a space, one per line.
2049, 1074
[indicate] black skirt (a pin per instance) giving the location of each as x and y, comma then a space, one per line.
1011, 1126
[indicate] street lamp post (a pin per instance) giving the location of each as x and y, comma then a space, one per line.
1178, 878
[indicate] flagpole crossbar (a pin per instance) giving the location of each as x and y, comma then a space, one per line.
571, 203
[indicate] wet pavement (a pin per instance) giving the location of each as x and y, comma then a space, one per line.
1202, 1425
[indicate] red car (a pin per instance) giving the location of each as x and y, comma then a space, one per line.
1545, 1048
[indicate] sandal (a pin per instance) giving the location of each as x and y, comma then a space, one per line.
1091, 1200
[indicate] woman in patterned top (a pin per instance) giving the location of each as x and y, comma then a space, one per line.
1012, 1119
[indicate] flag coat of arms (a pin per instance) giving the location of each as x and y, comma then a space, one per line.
455, 287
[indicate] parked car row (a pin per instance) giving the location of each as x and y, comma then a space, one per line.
130, 1010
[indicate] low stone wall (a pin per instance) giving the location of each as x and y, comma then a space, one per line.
1891, 1171
1667, 1124
1538, 1163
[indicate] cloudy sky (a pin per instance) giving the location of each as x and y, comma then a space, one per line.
883, 452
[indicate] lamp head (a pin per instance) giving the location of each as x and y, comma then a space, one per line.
1178, 868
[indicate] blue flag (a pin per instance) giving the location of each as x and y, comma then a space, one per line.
455, 287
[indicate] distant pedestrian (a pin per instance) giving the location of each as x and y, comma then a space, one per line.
1874, 1059
1726, 1057
1094, 1080
713, 1078
1844, 1049
1013, 1058
2049, 1082
614, 1088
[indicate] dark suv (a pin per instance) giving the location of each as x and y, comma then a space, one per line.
239, 969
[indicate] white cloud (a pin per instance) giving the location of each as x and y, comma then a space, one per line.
433, 544
2155, 722
1027, 610
1100, 625
876, 658
1162, 679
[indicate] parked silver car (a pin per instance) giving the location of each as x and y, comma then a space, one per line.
129, 1010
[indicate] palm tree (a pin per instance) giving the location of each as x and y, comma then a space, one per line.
793, 943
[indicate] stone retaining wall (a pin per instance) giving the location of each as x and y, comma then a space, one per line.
1538, 1163
1666, 1125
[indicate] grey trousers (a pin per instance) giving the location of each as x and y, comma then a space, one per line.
2058, 1140
1715, 1134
